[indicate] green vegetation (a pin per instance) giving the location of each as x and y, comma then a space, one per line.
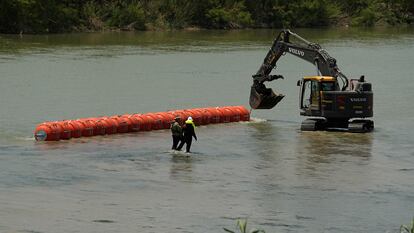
407, 229
44, 16
242, 225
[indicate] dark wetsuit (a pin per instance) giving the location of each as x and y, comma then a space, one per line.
189, 133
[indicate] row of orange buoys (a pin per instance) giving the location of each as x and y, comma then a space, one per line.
87, 127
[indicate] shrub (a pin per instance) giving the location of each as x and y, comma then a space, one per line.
367, 17
229, 16
130, 16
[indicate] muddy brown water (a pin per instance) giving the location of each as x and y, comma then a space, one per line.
281, 179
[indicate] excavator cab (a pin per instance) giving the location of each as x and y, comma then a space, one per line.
312, 89
262, 97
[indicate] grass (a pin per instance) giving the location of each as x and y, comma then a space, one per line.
407, 229
242, 226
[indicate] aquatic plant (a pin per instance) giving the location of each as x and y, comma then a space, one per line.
242, 225
407, 229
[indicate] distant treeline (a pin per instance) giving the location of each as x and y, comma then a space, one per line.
50, 16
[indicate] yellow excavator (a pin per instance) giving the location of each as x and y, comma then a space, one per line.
329, 99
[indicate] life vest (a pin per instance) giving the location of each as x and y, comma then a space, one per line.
190, 122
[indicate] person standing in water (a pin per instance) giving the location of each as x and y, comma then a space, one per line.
177, 132
189, 133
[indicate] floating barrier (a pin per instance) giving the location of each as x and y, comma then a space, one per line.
88, 127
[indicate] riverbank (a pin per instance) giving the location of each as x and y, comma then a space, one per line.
50, 16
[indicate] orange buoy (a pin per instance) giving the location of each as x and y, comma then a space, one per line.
166, 119
126, 124
100, 127
224, 115
230, 114
178, 113
110, 125
77, 129
150, 122
135, 123
123, 123
157, 121
145, 124
87, 127
206, 116
215, 115
245, 114
236, 114
48, 131
67, 129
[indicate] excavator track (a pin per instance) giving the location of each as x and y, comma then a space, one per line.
355, 126
313, 124
361, 126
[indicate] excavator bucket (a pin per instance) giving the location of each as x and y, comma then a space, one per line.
263, 98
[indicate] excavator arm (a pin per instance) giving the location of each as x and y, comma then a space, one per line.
264, 98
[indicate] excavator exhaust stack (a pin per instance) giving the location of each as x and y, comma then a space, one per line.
263, 98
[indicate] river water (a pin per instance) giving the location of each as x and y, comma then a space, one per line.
281, 179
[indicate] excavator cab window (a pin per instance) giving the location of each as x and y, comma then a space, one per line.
315, 95
306, 94
328, 86
310, 94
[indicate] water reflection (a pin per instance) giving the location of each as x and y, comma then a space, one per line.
273, 142
299, 174
264, 136
181, 169
322, 154
321, 144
